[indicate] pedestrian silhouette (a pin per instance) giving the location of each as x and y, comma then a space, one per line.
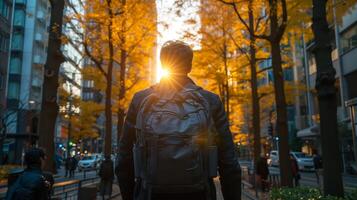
176, 135
33, 184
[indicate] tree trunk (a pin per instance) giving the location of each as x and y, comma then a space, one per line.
108, 90
254, 87
281, 112
49, 106
121, 113
122, 90
325, 86
280, 100
226, 78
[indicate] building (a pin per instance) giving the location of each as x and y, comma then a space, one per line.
344, 56
25, 74
6, 8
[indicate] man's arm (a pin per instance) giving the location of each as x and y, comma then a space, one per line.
125, 168
229, 168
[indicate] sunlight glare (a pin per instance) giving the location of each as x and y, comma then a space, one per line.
162, 73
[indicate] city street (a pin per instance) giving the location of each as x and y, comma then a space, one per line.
308, 178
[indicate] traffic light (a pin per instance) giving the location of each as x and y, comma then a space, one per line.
270, 129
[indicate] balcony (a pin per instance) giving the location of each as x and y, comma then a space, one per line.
22, 2
39, 37
36, 82
39, 60
41, 16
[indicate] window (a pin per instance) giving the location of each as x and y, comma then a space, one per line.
349, 39
17, 41
13, 90
19, 18
15, 65
5, 9
4, 43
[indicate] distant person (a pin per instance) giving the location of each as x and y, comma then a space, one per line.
263, 173
106, 174
73, 166
175, 137
318, 167
33, 184
295, 171
67, 166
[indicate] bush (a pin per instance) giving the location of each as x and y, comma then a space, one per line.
352, 195
299, 193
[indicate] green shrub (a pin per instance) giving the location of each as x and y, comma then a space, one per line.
299, 193
352, 195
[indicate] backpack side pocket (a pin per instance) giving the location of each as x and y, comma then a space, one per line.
137, 157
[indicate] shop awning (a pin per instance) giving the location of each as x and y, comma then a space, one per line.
307, 132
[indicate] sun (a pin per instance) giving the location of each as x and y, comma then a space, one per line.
162, 73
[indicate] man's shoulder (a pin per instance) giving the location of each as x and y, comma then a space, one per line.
210, 96
143, 93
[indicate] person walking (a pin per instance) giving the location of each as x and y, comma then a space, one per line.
318, 168
106, 174
33, 184
73, 167
175, 137
263, 173
67, 166
295, 171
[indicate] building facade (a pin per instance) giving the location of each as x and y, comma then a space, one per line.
25, 73
344, 57
6, 8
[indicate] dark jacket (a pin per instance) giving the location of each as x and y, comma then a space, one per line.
228, 165
32, 184
106, 170
262, 168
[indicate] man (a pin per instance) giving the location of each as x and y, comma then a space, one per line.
67, 165
318, 167
295, 171
73, 166
106, 174
161, 156
33, 184
263, 173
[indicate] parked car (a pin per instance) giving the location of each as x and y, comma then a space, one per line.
273, 159
304, 161
88, 162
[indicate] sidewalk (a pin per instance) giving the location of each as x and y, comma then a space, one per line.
245, 193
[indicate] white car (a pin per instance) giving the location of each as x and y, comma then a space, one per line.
88, 162
304, 161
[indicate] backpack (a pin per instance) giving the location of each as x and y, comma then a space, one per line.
174, 150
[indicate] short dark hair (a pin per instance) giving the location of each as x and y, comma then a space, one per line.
33, 156
177, 57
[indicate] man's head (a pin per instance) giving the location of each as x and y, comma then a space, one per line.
34, 157
176, 57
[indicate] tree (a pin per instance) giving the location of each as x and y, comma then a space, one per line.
278, 19
137, 44
119, 40
49, 106
325, 86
